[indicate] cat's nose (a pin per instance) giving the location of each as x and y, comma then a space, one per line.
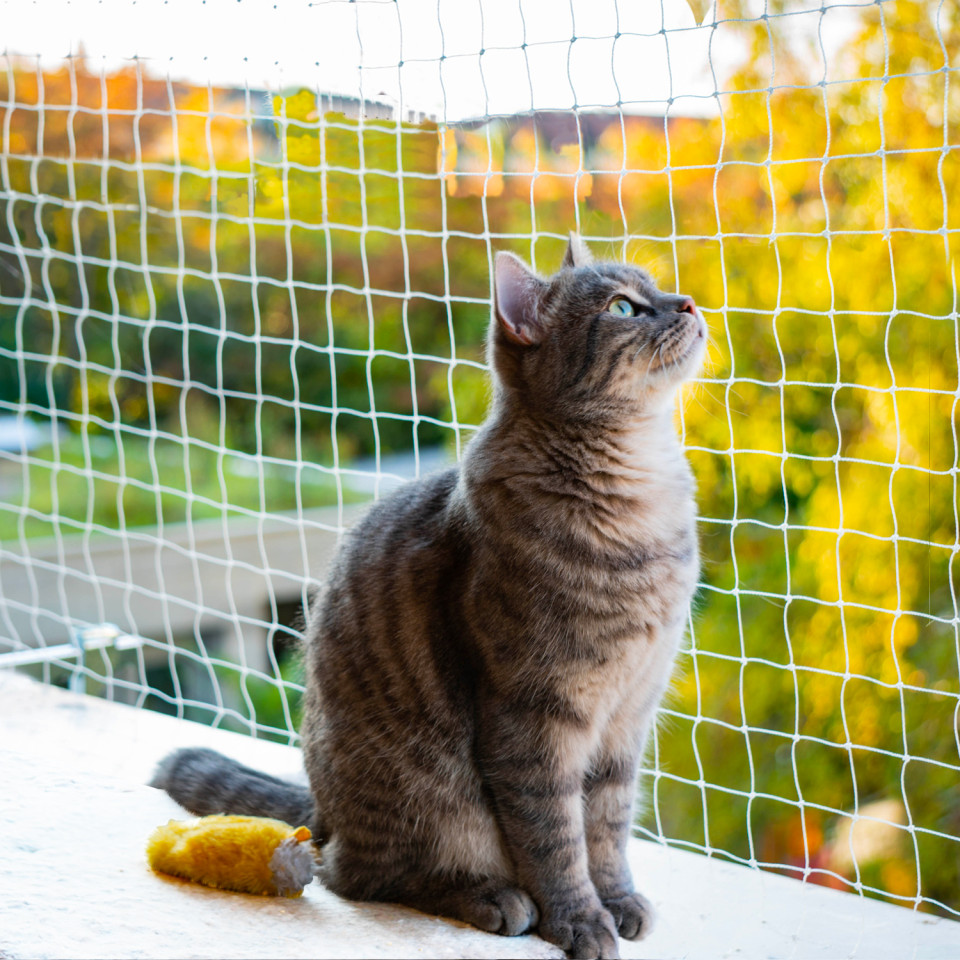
687, 306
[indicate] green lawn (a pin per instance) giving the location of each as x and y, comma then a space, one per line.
81, 483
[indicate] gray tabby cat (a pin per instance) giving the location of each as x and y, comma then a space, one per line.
484, 665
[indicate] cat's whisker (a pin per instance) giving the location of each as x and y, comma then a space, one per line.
660, 356
692, 393
653, 356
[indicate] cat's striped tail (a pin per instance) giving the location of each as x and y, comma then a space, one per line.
206, 782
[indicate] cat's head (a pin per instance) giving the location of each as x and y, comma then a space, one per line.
594, 338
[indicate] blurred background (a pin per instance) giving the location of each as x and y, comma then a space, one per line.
245, 264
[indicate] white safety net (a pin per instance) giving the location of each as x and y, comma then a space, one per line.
245, 260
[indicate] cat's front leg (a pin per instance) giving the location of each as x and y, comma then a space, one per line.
609, 790
533, 772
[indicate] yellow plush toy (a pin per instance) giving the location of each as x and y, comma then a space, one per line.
248, 854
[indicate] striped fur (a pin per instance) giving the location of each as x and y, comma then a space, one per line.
485, 662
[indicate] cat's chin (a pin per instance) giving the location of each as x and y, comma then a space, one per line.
685, 360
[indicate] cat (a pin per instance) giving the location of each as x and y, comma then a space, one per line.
483, 667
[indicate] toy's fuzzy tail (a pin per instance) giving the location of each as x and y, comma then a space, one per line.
206, 782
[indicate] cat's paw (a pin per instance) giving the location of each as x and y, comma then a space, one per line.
632, 913
506, 910
585, 934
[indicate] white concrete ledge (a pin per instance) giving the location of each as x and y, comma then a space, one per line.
75, 815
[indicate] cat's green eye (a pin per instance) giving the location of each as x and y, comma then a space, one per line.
621, 307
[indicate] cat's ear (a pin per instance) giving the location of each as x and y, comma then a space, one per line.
516, 294
578, 253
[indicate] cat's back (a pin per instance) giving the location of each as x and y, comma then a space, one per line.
410, 525
386, 624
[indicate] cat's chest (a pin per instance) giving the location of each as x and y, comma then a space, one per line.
626, 681
644, 560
